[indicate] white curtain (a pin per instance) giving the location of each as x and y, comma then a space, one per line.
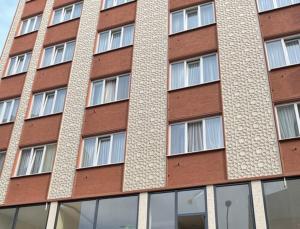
69, 51
38, 22
275, 54
57, 16
115, 39
77, 10
88, 152
207, 14
177, 75
48, 104
104, 151
192, 18
103, 42
24, 26
265, 5
47, 57
24, 162
293, 48
97, 93
31, 24
177, 22
194, 73
6, 117
2, 156
195, 137
58, 54
14, 112
214, 133
110, 90
20, 64
120, 2
109, 3
60, 101
282, 3
128, 35
118, 148
37, 159
49, 158
67, 13
12, 65
177, 139
37, 103
287, 121
210, 68
27, 61
123, 87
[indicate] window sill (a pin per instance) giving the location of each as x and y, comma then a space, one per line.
289, 139
25, 34
198, 85
100, 166
279, 8
31, 175
284, 67
191, 30
13, 75
117, 6
44, 116
54, 65
64, 22
106, 104
196, 152
113, 50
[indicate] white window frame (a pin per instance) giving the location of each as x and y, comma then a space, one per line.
16, 65
109, 44
31, 160
115, 3
297, 118
285, 52
26, 30
4, 109
275, 5
44, 103
186, 79
61, 20
97, 149
103, 90
186, 151
185, 24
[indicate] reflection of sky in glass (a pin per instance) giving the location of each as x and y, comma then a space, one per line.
7, 9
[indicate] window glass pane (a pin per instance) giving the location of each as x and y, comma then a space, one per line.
177, 75
104, 147
49, 158
287, 121
128, 35
33, 217
58, 54
77, 10
214, 133
38, 155
282, 3
120, 2
282, 202
37, 104
207, 14
8, 108
68, 13
88, 152
27, 61
69, 51
20, 63
24, 162
2, 157
7, 217
162, 211
118, 148
57, 16
48, 103
12, 66
76, 215
97, 93
60, 101
194, 73
234, 207
177, 138
115, 39
118, 213
195, 137
108, 3
177, 22
38, 22
123, 87
192, 18
47, 57
275, 54
210, 68
24, 26
31, 25
293, 49
192, 201
110, 90
265, 5
103, 41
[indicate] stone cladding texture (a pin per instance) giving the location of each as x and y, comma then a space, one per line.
145, 163
250, 134
258, 205
70, 133
26, 93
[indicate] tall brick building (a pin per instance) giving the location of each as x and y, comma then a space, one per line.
159, 114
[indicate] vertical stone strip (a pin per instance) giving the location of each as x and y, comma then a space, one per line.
143, 211
210, 203
52, 215
258, 205
250, 134
26, 93
69, 137
145, 163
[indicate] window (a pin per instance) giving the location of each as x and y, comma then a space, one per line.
265, 5
104, 150
18, 64
283, 52
196, 136
36, 160
2, 157
194, 72
110, 90
31, 24
103, 213
67, 13
115, 38
58, 54
8, 110
112, 3
234, 208
282, 203
289, 120
193, 17
47, 103
27, 217
180, 209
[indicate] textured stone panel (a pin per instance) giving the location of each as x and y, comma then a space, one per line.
250, 135
145, 163
16, 134
258, 205
210, 199
69, 137
143, 210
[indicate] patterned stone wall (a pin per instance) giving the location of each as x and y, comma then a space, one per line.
69, 137
26, 93
145, 163
250, 135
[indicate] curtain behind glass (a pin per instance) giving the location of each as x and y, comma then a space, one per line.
12, 65
275, 54
118, 148
177, 75
47, 57
27, 60
109, 3
293, 49
69, 51
110, 90
24, 162
6, 117
104, 151
195, 137
20, 64
123, 87
2, 156
287, 121
88, 152
68, 13
37, 104
177, 139
207, 14
57, 16
103, 41
24, 25
77, 10
37, 160
214, 133
194, 73
97, 93
31, 25
49, 158
49, 104
265, 5
210, 68
192, 18
60, 101
128, 35
38, 22
58, 54
177, 22
282, 3
115, 39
